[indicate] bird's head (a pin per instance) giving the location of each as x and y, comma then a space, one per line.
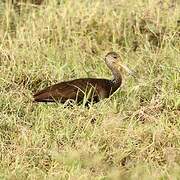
114, 61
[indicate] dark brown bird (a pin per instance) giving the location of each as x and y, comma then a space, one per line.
90, 89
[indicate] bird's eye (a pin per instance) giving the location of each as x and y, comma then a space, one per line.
115, 57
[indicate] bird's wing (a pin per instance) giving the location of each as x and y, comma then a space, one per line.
62, 91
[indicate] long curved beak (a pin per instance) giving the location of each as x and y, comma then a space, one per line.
128, 70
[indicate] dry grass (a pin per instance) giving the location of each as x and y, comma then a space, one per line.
135, 134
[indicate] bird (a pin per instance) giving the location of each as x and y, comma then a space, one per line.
91, 89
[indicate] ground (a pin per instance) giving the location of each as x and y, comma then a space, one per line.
134, 134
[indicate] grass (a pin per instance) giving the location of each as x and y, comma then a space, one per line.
135, 134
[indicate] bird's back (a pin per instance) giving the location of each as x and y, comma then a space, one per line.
76, 90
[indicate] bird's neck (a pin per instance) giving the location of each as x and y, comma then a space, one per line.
117, 77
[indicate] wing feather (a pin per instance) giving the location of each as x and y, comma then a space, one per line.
74, 89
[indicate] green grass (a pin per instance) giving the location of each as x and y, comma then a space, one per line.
135, 134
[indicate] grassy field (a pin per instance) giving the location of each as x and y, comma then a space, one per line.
135, 134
